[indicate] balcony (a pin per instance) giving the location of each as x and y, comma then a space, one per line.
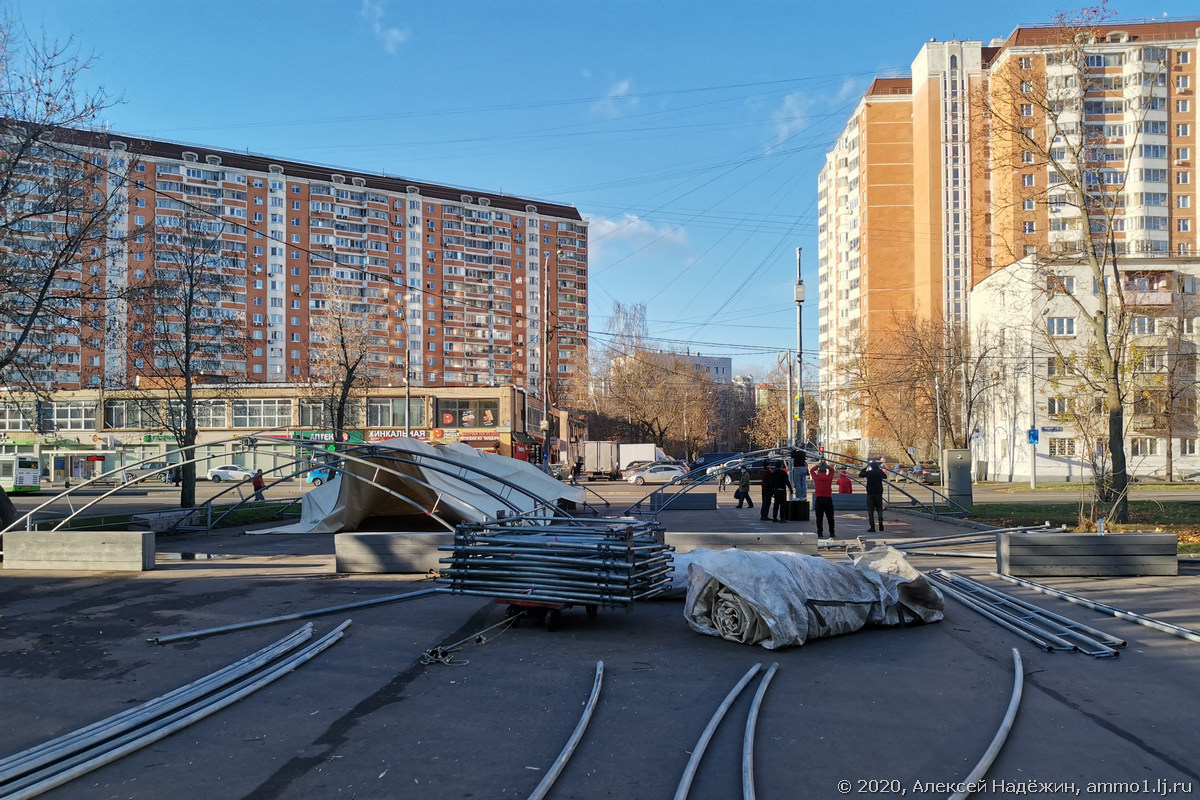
1143, 298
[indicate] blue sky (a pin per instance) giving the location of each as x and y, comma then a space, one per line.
689, 134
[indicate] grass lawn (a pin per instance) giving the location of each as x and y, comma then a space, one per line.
1144, 515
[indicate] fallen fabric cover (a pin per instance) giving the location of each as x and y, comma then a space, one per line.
342, 504
780, 599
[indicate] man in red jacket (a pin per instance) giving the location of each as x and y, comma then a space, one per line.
822, 478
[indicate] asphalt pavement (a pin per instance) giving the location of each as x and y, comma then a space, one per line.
887, 711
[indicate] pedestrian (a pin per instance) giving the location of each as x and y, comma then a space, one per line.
781, 486
576, 468
259, 483
800, 475
743, 490
875, 477
767, 489
844, 484
822, 478
177, 475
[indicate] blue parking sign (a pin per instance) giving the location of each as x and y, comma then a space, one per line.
1033, 436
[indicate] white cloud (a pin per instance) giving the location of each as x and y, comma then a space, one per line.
617, 101
790, 117
391, 36
627, 234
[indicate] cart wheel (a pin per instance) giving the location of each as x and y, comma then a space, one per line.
592, 609
553, 617
513, 613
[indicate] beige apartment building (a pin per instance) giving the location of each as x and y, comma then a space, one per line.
945, 175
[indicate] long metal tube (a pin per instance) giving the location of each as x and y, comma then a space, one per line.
84, 737
998, 740
949, 553
748, 737
1004, 623
240, 626
689, 772
112, 750
1149, 622
1097, 634
1038, 619
1055, 639
557, 767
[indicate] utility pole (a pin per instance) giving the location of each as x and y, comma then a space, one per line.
800, 439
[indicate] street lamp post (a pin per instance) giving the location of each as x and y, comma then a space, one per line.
545, 338
799, 440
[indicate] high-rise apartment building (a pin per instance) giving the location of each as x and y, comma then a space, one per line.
952, 172
457, 287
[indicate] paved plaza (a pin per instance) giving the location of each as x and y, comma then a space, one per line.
884, 710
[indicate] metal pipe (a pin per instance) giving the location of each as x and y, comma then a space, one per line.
748, 738
557, 767
998, 740
239, 626
1004, 623
689, 772
1100, 643
81, 738
1149, 622
112, 750
951, 553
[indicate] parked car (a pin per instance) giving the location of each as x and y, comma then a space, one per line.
138, 470
229, 472
320, 476
638, 466
930, 473
633, 466
656, 473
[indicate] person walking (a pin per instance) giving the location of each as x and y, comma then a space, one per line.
874, 477
259, 483
767, 488
744, 488
781, 485
822, 478
844, 484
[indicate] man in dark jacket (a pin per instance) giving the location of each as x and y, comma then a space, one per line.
767, 488
874, 477
782, 485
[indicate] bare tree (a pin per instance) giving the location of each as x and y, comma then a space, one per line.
180, 325
1039, 120
56, 205
345, 338
769, 426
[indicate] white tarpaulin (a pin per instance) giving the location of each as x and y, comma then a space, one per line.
779, 599
445, 488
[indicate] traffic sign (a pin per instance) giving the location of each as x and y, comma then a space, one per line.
1033, 436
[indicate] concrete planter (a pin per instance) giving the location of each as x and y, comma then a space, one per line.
1049, 554
87, 551
406, 553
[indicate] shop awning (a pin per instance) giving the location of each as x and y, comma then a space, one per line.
523, 438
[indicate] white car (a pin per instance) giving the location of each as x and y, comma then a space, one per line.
229, 472
656, 473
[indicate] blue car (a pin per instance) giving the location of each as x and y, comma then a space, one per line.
320, 476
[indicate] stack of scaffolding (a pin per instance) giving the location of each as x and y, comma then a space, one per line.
603, 563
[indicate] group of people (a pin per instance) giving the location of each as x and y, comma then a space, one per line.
777, 485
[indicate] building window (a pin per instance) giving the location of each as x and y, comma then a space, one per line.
1182, 81
1140, 446
1026, 110
1026, 86
1025, 62
1183, 129
1183, 225
1183, 201
1056, 406
1061, 448
1183, 106
1027, 180
1060, 326
1182, 57
1028, 227
1182, 178
1187, 446
1028, 204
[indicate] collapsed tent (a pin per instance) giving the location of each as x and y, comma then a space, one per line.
779, 599
456, 482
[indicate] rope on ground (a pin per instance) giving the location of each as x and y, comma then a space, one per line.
444, 654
